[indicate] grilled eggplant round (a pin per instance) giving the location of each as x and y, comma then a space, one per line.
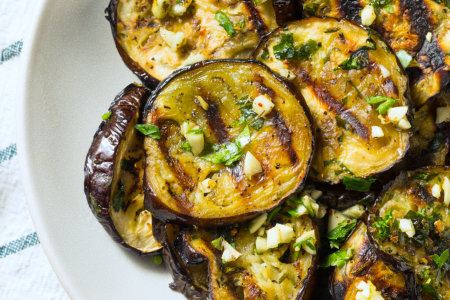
114, 173
274, 274
154, 38
409, 226
218, 99
365, 266
340, 68
418, 27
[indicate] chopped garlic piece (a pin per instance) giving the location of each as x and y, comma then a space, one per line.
177, 10
251, 166
197, 142
179, 39
395, 114
429, 36
207, 185
385, 72
354, 212
404, 124
436, 191
316, 194
304, 236
262, 105
203, 103
193, 58
167, 36
286, 233
261, 231
368, 15
188, 125
229, 253
377, 132
283, 71
261, 245
442, 114
160, 8
367, 291
446, 188
257, 223
334, 218
407, 227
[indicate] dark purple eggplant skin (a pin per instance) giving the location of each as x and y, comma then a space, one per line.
111, 16
181, 279
101, 158
164, 213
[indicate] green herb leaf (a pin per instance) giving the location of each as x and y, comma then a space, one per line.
106, 116
340, 233
265, 55
430, 290
338, 258
314, 171
404, 57
186, 146
150, 130
195, 131
379, 4
306, 51
386, 104
441, 260
383, 225
230, 152
285, 49
247, 113
343, 123
240, 24
218, 243
358, 184
128, 164
243, 100
157, 259
424, 176
223, 20
368, 200
311, 10
257, 124
357, 60
389, 9
345, 100
327, 57
309, 242
341, 138
271, 214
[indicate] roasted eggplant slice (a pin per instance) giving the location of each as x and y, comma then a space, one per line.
191, 281
208, 116
154, 38
240, 271
367, 267
409, 226
114, 173
342, 70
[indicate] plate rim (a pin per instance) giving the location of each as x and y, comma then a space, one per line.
22, 144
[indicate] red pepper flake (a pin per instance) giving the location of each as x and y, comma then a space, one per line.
260, 104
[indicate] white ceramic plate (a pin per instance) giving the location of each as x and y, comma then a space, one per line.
71, 73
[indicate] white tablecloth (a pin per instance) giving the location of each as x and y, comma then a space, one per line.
24, 268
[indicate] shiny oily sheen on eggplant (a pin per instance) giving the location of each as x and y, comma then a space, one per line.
365, 266
155, 38
337, 78
114, 174
216, 97
409, 226
273, 274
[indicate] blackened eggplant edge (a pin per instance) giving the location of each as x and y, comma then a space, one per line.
182, 282
165, 213
98, 177
190, 255
409, 114
137, 70
397, 265
150, 81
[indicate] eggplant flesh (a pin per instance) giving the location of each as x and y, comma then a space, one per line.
283, 145
365, 266
337, 98
136, 28
271, 275
114, 174
410, 197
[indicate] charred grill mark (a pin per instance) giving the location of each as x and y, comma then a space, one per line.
284, 135
419, 18
334, 105
251, 289
390, 87
183, 178
256, 19
350, 9
431, 57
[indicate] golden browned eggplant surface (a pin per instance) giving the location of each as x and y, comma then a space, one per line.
161, 36
353, 86
285, 271
409, 225
210, 116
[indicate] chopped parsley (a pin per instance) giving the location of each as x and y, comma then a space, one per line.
119, 199
106, 116
389, 9
286, 50
186, 146
218, 243
382, 225
257, 123
404, 57
386, 103
358, 184
223, 20
338, 258
340, 233
150, 130
311, 10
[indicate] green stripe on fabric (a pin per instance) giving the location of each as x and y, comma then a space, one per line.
19, 244
8, 153
11, 51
